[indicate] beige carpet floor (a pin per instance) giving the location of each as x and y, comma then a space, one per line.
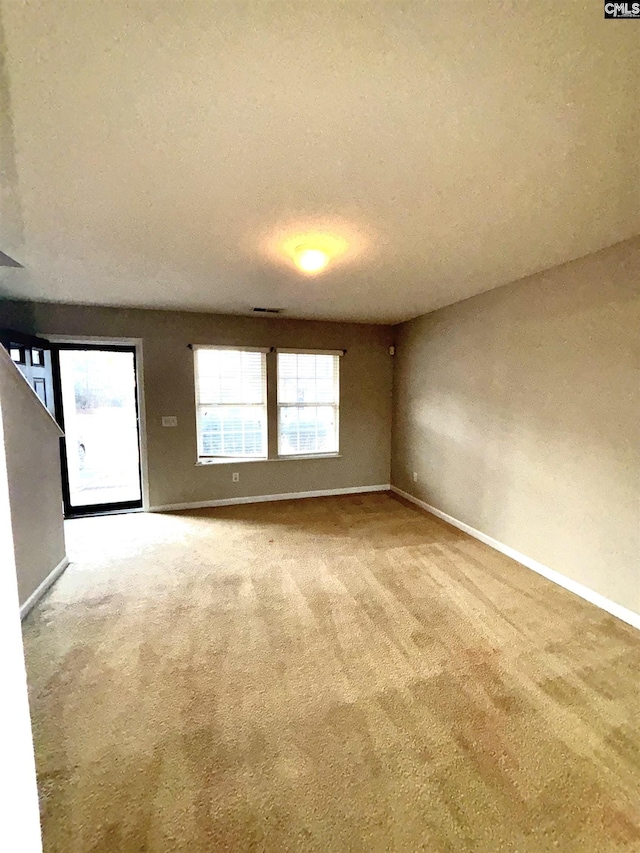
340, 674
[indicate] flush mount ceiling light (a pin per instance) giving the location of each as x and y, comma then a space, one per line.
311, 252
310, 260
314, 248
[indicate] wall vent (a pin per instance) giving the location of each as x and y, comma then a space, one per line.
266, 310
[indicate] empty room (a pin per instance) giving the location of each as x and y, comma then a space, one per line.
319, 426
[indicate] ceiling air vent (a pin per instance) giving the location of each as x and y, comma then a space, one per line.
266, 310
6, 261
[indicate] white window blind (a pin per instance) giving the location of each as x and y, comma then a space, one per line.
231, 402
308, 403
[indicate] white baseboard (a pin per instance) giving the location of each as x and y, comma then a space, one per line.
576, 588
255, 499
50, 579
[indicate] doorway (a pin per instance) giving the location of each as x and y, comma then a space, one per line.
97, 403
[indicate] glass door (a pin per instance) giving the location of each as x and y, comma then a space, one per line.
98, 411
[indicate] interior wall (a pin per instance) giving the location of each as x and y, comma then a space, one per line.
168, 384
19, 808
519, 411
31, 447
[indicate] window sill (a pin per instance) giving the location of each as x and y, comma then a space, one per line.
228, 460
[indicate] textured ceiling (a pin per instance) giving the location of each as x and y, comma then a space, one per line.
158, 153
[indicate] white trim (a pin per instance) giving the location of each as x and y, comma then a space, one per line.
576, 588
232, 348
255, 499
239, 460
338, 352
50, 579
142, 423
91, 339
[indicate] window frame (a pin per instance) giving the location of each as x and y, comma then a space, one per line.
207, 459
305, 454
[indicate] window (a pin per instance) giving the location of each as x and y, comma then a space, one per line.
18, 354
37, 357
40, 387
308, 403
231, 402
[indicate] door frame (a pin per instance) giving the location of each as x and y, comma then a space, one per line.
134, 346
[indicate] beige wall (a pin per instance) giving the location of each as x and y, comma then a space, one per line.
31, 447
519, 410
19, 814
173, 477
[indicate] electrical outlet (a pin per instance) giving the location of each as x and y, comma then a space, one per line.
415, 476
169, 421
235, 477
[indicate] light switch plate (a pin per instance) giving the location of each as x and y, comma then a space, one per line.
169, 421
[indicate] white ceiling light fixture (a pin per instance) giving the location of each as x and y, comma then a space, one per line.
313, 250
310, 260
